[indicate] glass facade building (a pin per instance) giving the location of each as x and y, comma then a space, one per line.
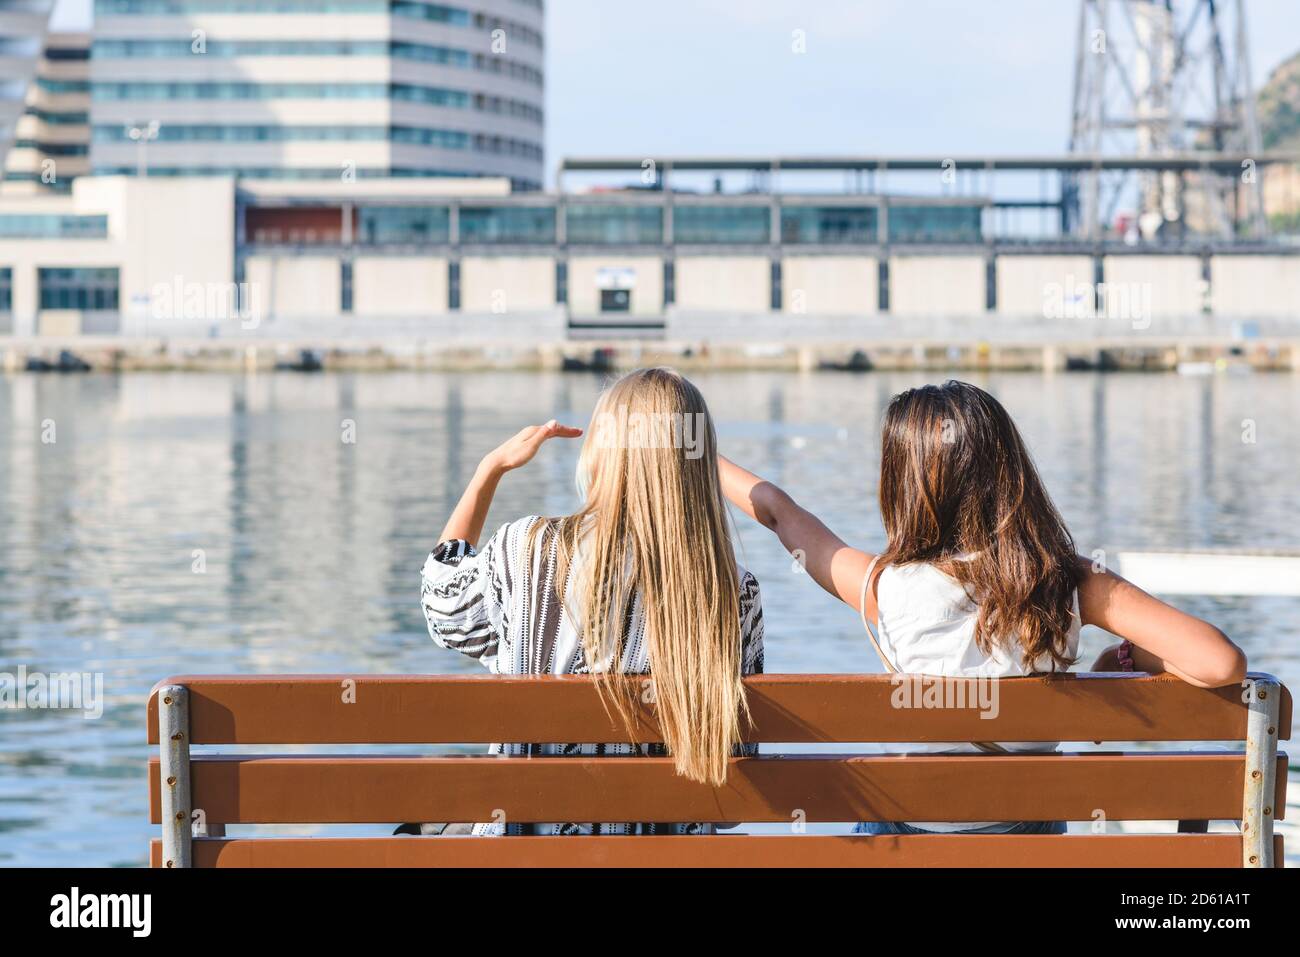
630, 224
458, 88
49, 139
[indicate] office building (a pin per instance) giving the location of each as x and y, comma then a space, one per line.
22, 30
51, 145
319, 89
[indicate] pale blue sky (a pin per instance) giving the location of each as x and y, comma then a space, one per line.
639, 78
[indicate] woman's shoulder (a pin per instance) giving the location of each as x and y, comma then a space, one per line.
511, 541
517, 530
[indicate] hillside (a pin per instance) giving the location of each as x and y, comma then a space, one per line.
1278, 107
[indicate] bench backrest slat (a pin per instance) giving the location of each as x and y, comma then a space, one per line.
372, 789
431, 709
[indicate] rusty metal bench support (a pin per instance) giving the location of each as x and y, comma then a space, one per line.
174, 736
1257, 812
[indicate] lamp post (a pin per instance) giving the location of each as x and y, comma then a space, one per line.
142, 135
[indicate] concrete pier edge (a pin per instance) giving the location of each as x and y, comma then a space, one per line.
114, 353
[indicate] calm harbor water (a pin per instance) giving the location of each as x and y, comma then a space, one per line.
159, 524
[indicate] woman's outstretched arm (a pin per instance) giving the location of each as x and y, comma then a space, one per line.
1165, 638
835, 566
467, 518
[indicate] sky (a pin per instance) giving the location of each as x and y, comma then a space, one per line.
946, 77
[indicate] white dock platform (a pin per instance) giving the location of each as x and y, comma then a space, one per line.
1212, 571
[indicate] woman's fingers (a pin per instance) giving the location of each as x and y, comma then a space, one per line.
553, 429
564, 431
521, 449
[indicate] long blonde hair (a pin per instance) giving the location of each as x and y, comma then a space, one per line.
653, 527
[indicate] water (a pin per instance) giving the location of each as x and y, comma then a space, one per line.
208, 523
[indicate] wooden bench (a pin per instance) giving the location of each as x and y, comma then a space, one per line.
1245, 782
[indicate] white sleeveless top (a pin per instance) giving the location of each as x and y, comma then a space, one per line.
926, 626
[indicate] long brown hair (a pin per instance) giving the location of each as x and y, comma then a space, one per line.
653, 527
959, 490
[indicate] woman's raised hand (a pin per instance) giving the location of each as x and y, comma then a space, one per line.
519, 450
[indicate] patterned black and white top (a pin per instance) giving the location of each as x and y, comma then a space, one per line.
506, 609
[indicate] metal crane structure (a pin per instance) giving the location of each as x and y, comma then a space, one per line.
1159, 79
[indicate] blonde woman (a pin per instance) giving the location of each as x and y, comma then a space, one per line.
642, 579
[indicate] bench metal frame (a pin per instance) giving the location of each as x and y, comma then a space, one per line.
1264, 696
174, 744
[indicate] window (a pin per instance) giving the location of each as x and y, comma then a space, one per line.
51, 85
128, 7
721, 224
381, 225
609, 225
430, 54
444, 139
345, 286
49, 226
934, 224
212, 133
828, 224
507, 224
56, 118
6, 289
91, 288
437, 96
431, 11
135, 49
280, 172
67, 53
52, 149
241, 90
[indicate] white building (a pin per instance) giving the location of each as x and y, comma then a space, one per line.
320, 89
293, 259
91, 260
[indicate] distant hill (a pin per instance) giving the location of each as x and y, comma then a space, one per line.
1278, 107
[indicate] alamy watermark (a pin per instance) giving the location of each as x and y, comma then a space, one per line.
133, 912
933, 692
82, 691
1104, 300
621, 429
208, 301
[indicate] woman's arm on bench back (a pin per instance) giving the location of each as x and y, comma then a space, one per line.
1166, 639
